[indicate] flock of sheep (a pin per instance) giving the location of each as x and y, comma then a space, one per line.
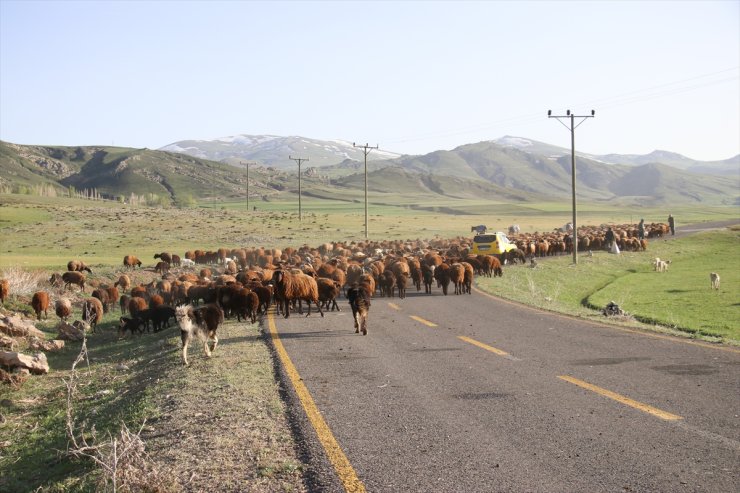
246, 281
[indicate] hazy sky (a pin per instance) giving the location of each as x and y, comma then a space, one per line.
413, 76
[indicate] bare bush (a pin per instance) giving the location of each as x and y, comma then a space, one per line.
23, 282
122, 459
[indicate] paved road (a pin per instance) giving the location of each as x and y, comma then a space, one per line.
481, 395
495, 397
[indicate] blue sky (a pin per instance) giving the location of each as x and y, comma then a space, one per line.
413, 76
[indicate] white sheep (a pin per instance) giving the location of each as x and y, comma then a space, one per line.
714, 278
186, 262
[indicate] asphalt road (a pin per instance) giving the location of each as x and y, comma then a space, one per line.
483, 395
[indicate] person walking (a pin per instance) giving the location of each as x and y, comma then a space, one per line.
641, 229
671, 224
609, 238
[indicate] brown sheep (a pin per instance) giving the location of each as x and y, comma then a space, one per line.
246, 304
123, 303
56, 280
139, 292
102, 295
289, 287
427, 275
40, 303
77, 278
401, 271
457, 277
200, 322
415, 272
164, 257
176, 260
63, 308
131, 262
328, 292
113, 295
162, 267
78, 266
155, 301
124, 281
4, 290
468, 280
442, 275
92, 312
387, 282
135, 305
368, 281
264, 293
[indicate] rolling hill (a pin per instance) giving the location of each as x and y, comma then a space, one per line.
485, 170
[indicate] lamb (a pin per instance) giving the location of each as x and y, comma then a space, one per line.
78, 266
186, 262
468, 278
40, 303
289, 287
359, 301
63, 308
113, 295
160, 317
661, 265
427, 273
176, 260
4, 290
714, 279
131, 262
77, 278
201, 322
56, 280
92, 312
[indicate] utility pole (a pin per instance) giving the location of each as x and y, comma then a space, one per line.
366, 150
572, 128
299, 160
247, 164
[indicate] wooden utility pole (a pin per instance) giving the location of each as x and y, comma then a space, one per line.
572, 128
366, 150
299, 160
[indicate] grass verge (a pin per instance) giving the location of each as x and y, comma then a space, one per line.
679, 300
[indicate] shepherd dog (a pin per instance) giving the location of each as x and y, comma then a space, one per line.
200, 322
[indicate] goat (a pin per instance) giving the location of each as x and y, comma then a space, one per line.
201, 322
714, 278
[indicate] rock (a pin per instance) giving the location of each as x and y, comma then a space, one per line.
36, 364
54, 345
14, 326
68, 332
7, 342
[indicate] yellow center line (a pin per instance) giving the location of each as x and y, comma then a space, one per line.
342, 466
394, 306
425, 322
620, 398
484, 346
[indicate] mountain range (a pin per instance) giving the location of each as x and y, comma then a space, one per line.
511, 169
